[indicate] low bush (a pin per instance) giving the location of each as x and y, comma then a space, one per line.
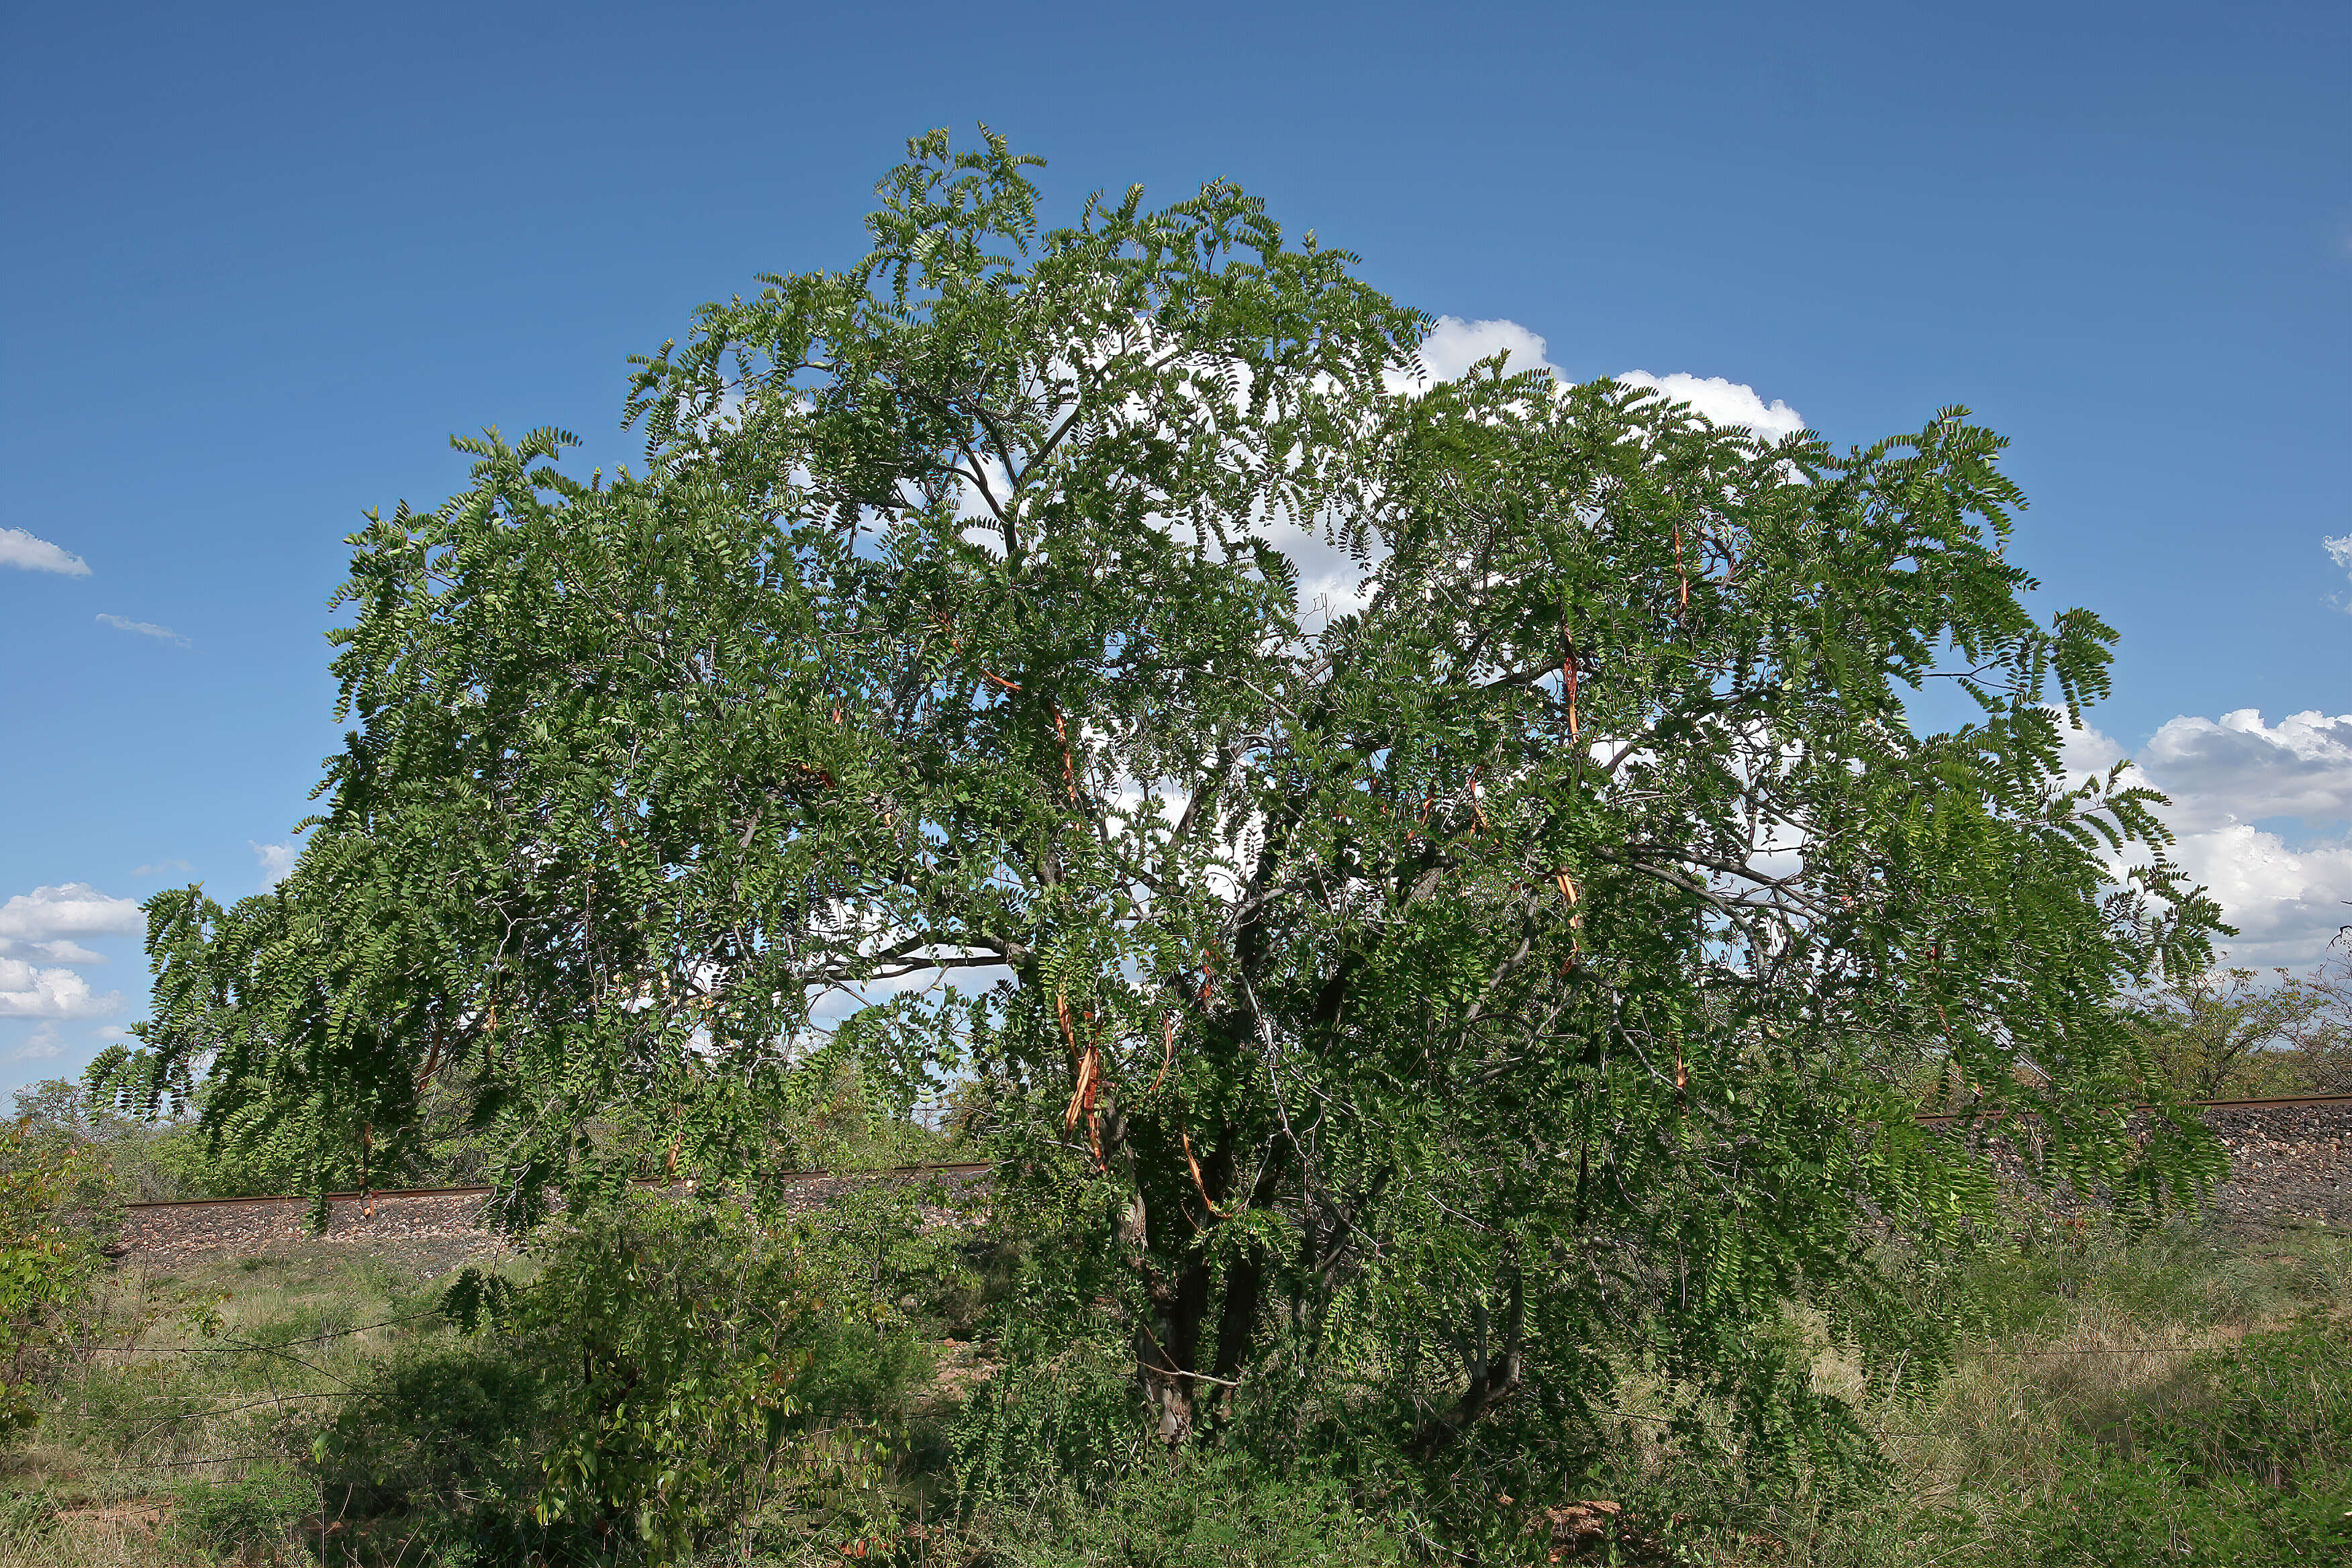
44, 1262
1206, 1509
244, 1519
2248, 1463
673, 1373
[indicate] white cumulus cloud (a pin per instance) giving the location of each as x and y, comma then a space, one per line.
145, 629
37, 947
1723, 401
2288, 897
2286, 901
26, 992
2340, 552
277, 860
20, 549
2239, 769
70, 909
58, 952
1453, 345
41, 1046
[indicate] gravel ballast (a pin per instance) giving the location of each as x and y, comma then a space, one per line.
2289, 1166
428, 1233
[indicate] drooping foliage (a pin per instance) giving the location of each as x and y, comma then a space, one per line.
1433, 887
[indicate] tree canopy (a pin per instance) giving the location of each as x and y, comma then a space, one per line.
1540, 949
2230, 1032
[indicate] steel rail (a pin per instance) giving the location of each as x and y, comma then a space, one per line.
379, 1195
2278, 1102
973, 1168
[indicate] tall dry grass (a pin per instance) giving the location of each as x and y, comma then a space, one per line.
2078, 1344
207, 1375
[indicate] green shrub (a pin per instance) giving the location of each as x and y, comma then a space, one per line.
1200, 1509
1075, 1424
671, 1372
2251, 1465
243, 1519
45, 1261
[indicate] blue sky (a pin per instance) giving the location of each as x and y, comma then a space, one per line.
263, 260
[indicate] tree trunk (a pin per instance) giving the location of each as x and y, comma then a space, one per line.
1237, 1323
1493, 1377
1181, 1351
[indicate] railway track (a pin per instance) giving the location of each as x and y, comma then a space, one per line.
381, 1195
969, 1169
979, 1167
427, 1230
2290, 1158
2291, 1163
2280, 1102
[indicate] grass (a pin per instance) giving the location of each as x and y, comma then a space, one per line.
175, 1434
2096, 1355
2177, 1395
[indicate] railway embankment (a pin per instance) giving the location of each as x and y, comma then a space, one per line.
2290, 1164
432, 1230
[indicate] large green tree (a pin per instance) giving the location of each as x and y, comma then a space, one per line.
1538, 950
2230, 1032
